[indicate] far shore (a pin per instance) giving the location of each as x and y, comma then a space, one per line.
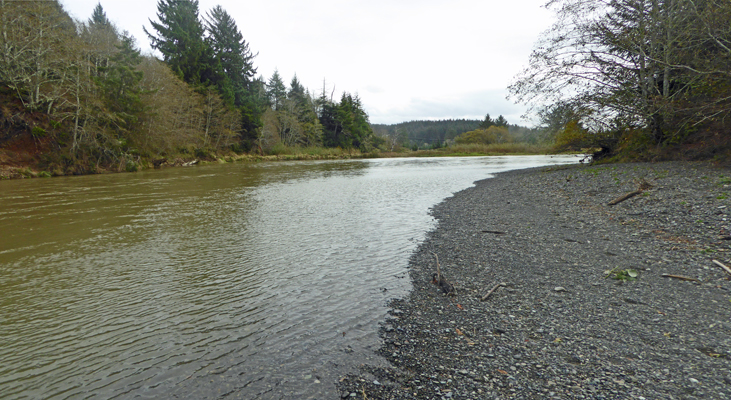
26, 170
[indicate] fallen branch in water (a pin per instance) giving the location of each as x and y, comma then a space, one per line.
725, 268
625, 197
492, 291
682, 278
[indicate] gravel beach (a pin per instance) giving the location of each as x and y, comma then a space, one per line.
585, 312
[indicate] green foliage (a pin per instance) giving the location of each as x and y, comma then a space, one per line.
38, 132
276, 91
493, 134
572, 136
626, 275
180, 40
346, 124
131, 166
232, 53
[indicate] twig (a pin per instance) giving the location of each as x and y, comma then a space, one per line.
625, 197
495, 232
725, 268
492, 290
682, 278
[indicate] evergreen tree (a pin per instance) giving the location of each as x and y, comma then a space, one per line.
99, 17
501, 121
346, 124
276, 91
296, 90
121, 84
252, 109
180, 40
488, 122
232, 52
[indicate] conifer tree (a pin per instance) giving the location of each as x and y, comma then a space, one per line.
276, 91
180, 40
231, 51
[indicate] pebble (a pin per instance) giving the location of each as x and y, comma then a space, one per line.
608, 338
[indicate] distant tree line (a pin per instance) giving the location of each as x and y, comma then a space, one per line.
436, 134
647, 78
85, 95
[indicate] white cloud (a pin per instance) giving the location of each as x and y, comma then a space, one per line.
407, 59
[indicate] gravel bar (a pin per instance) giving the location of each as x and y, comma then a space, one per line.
564, 326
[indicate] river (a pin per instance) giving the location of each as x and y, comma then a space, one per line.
256, 280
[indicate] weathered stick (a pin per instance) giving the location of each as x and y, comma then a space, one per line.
439, 273
492, 290
495, 232
682, 278
625, 197
725, 268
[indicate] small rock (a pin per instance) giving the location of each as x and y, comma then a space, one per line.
695, 381
464, 372
559, 289
376, 383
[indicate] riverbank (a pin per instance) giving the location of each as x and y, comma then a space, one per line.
563, 327
26, 163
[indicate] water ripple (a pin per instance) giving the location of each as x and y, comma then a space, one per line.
244, 281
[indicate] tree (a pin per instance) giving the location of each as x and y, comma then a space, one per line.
491, 135
501, 121
232, 52
33, 41
276, 91
180, 40
99, 17
488, 122
659, 66
120, 84
346, 124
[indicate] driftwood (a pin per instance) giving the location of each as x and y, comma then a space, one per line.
495, 232
492, 291
725, 268
624, 197
439, 273
439, 280
682, 278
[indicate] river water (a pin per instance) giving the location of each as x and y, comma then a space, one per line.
260, 280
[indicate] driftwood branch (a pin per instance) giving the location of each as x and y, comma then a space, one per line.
439, 273
495, 232
682, 278
624, 197
492, 291
725, 268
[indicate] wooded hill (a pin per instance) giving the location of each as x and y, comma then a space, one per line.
78, 97
440, 133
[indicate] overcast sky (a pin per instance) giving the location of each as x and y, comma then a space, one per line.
406, 59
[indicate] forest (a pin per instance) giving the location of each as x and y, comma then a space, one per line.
422, 135
629, 79
79, 97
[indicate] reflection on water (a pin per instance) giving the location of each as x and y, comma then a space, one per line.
250, 280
